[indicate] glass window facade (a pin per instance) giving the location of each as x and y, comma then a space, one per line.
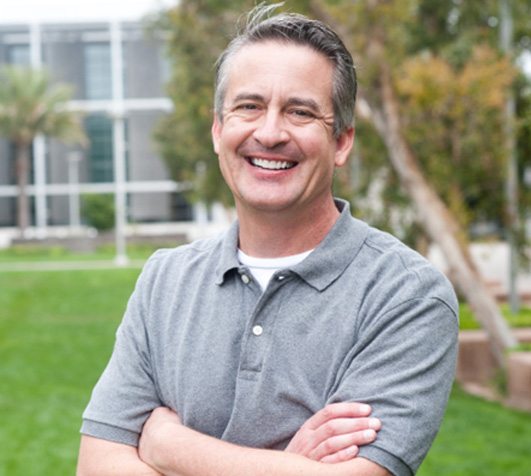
98, 74
100, 155
19, 55
80, 54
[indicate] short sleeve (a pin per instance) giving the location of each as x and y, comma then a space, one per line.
403, 365
126, 392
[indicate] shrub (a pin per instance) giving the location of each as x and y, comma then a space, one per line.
98, 211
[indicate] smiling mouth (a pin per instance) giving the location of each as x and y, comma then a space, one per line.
271, 164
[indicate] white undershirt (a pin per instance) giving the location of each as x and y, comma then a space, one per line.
263, 269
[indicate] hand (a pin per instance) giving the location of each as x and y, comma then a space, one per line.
157, 430
335, 433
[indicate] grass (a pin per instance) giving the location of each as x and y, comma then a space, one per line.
56, 334
467, 320
479, 438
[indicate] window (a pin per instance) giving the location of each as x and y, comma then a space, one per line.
99, 131
98, 75
18, 55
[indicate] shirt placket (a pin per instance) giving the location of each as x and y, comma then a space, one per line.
259, 329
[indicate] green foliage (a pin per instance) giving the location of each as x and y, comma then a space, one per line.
31, 105
198, 32
447, 68
453, 82
522, 347
98, 211
461, 112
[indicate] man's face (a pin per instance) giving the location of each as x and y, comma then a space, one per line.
275, 144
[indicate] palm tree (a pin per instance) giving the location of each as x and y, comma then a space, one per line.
30, 106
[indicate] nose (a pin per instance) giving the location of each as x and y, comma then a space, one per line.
270, 130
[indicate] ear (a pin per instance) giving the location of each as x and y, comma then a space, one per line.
344, 145
216, 132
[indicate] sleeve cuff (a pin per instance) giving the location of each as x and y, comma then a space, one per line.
395, 465
109, 432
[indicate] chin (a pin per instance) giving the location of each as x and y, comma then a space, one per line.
270, 205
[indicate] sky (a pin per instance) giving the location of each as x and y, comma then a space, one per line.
25, 11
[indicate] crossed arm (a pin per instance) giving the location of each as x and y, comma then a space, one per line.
167, 447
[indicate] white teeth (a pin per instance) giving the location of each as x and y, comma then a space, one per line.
272, 164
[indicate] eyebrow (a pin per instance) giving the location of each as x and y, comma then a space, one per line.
306, 102
248, 96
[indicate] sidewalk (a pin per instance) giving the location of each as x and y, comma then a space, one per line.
68, 265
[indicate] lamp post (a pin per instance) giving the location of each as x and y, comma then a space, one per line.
120, 221
119, 145
506, 39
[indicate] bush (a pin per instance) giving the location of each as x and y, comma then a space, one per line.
98, 211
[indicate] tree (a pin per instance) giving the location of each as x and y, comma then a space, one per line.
29, 106
378, 32
198, 31
431, 83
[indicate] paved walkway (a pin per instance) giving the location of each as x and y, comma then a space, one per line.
67, 265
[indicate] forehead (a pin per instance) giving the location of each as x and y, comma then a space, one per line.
279, 67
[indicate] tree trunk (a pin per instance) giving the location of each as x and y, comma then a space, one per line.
436, 218
22, 172
433, 215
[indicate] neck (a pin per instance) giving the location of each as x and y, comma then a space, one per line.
273, 234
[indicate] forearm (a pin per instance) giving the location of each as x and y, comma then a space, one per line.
188, 453
104, 458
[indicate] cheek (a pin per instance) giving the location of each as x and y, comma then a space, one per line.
225, 170
235, 127
317, 146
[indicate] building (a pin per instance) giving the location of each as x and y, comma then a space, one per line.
117, 73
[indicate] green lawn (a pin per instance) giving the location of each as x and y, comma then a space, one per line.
520, 319
56, 333
480, 438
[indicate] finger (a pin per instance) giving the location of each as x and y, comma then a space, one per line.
341, 426
337, 410
337, 444
341, 456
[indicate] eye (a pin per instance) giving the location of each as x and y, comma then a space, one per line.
247, 110
248, 106
301, 115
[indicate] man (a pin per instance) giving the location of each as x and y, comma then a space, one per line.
246, 354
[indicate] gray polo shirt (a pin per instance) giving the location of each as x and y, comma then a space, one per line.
363, 318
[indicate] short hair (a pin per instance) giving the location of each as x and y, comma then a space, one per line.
300, 30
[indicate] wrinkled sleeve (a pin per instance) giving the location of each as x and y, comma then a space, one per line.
126, 392
403, 365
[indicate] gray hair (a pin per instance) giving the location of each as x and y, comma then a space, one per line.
298, 29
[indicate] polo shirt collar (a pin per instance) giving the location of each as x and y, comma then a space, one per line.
336, 252
228, 254
324, 265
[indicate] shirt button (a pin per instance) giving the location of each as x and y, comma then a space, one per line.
257, 330
246, 279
